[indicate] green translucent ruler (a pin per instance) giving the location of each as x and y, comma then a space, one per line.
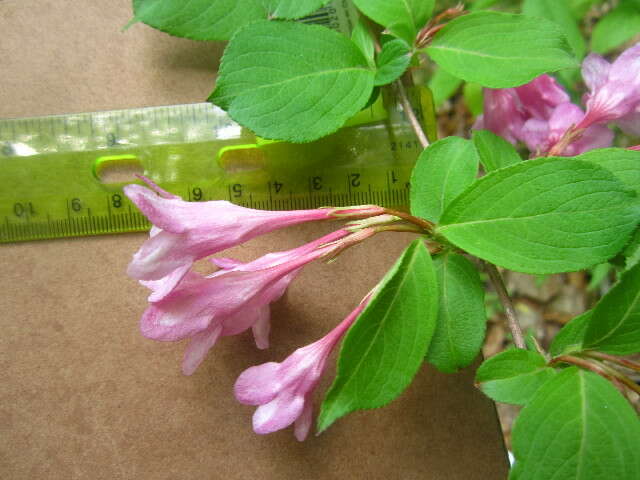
54, 171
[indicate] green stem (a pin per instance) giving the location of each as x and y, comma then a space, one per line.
426, 225
599, 368
623, 362
411, 116
510, 311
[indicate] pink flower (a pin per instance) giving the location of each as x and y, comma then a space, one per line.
541, 96
187, 231
506, 110
284, 390
229, 301
614, 89
542, 135
503, 114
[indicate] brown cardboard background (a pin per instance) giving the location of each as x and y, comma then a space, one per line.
83, 395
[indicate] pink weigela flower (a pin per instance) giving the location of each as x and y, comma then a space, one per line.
507, 109
614, 88
228, 302
283, 391
187, 231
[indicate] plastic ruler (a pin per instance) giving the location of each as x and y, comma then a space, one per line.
53, 170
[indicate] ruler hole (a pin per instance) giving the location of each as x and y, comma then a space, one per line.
114, 169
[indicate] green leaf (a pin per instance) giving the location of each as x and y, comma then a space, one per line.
494, 151
513, 376
546, 215
500, 50
362, 37
385, 347
632, 251
617, 27
461, 316
392, 61
576, 427
443, 170
290, 9
615, 324
571, 337
264, 86
403, 18
623, 163
199, 19
559, 12
443, 85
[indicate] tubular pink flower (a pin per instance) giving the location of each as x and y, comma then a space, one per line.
199, 300
283, 391
229, 301
187, 231
541, 135
614, 89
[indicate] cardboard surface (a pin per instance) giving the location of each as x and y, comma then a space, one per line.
83, 395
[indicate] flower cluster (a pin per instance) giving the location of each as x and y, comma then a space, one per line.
541, 114
186, 305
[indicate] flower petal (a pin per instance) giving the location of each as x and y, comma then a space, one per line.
303, 423
177, 323
198, 347
595, 71
165, 285
162, 212
259, 384
279, 413
159, 255
262, 327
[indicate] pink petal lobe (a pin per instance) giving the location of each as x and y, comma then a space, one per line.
595, 71
303, 423
159, 255
198, 347
258, 385
164, 286
279, 413
261, 328
162, 212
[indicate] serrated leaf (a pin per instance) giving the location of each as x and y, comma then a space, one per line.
615, 324
264, 86
559, 12
623, 163
385, 347
571, 337
461, 323
290, 9
546, 215
513, 376
443, 170
199, 19
500, 50
617, 27
443, 85
494, 151
403, 18
363, 39
392, 61
576, 427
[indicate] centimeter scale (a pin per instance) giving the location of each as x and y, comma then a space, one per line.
54, 171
